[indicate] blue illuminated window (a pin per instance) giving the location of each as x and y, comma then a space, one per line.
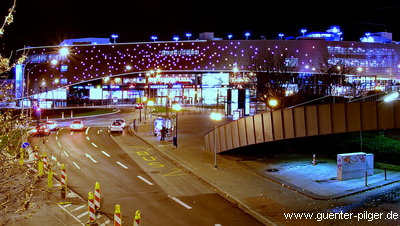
64, 68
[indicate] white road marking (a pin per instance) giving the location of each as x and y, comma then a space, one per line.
83, 214
123, 166
87, 138
143, 179
180, 202
59, 144
94, 145
90, 157
78, 208
105, 153
66, 154
71, 214
76, 165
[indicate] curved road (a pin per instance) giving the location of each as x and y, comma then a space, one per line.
134, 175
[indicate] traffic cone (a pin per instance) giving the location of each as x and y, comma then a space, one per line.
92, 216
136, 222
117, 216
97, 197
314, 161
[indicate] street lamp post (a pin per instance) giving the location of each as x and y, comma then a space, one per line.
215, 117
176, 108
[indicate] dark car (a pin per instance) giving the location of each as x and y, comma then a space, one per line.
41, 130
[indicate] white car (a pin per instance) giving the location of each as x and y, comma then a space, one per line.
123, 124
52, 125
116, 126
77, 125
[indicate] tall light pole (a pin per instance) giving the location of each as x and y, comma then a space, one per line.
247, 34
215, 117
114, 37
176, 108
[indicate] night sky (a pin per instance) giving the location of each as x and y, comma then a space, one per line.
48, 22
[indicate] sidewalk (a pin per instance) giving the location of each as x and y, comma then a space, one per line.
259, 187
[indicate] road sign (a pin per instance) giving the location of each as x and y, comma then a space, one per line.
25, 145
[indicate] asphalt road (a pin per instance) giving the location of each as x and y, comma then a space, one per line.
136, 176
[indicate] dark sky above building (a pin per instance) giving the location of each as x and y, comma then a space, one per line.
48, 22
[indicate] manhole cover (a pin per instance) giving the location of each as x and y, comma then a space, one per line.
272, 170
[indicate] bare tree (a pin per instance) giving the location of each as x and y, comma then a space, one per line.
331, 69
17, 181
274, 70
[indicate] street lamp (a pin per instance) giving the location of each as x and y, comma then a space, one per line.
188, 35
230, 36
176, 108
247, 34
114, 36
154, 38
303, 31
215, 117
273, 103
281, 35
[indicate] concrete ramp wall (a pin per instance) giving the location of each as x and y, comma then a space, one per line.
305, 121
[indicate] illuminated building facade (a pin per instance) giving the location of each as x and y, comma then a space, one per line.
190, 71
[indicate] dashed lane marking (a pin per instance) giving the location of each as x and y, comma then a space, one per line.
143, 179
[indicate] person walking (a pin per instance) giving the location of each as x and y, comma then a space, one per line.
163, 133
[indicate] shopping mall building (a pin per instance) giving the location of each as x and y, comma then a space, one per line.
191, 71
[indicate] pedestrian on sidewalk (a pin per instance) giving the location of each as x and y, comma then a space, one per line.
163, 133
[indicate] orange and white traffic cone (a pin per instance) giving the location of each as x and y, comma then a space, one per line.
92, 216
117, 216
136, 222
97, 197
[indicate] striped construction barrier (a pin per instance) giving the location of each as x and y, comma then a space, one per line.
63, 181
136, 222
45, 163
92, 216
63, 175
117, 216
97, 197
36, 153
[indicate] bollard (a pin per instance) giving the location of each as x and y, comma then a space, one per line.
50, 179
136, 222
40, 168
117, 216
385, 174
62, 115
97, 197
72, 114
63, 181
314, 160
366, 178
21, 156
91, 208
